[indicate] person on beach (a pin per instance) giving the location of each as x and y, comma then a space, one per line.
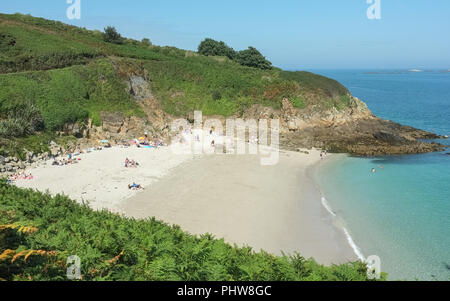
135, 186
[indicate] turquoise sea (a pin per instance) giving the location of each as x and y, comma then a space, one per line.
402, 212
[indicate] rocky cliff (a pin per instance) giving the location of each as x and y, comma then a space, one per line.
353, 129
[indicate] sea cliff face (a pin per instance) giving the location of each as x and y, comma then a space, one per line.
355, 130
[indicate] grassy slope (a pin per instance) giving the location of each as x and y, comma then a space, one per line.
182, 82
116, 248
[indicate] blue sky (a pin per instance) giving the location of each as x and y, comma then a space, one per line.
293, 34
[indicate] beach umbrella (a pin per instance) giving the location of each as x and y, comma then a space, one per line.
104, 141
141, 138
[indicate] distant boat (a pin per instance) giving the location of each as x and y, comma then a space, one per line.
415, 70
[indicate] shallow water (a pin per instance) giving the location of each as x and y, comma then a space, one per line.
402, 212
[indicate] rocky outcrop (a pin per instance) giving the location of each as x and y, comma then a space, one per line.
12, 165
366, 137
352, 130
293, 119
139, 88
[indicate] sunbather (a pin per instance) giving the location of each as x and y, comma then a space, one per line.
135, 186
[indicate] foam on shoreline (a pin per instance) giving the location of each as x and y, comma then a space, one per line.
348, 236
327, 206
352, 244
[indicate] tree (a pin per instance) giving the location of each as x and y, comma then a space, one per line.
146, 42
210, 47
112, 36
253, 58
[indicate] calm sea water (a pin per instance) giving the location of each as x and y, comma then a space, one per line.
402, 212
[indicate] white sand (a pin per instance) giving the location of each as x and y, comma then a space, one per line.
275, 208
101, 178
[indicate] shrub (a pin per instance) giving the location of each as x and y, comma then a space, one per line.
216, 95
112, 36
24, 119
299, 103
253, 58
146, 42
210, 47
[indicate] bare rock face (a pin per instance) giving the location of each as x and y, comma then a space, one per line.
366, 137
75, 129
139, 88
293, 119
117, 127
352, 130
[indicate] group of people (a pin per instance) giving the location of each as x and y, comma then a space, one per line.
20, 176
323, 154
65, 161
131, 163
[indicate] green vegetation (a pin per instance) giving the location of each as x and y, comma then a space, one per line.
210, 47
68, 95
250, 57
299, 102
38, 232
253, 58
62, 74
112, 36
316, 84
22, 119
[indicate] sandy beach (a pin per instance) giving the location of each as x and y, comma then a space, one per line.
101, 178
275, 208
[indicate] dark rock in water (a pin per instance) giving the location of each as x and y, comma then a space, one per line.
364, 137
393, 139
448, 154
